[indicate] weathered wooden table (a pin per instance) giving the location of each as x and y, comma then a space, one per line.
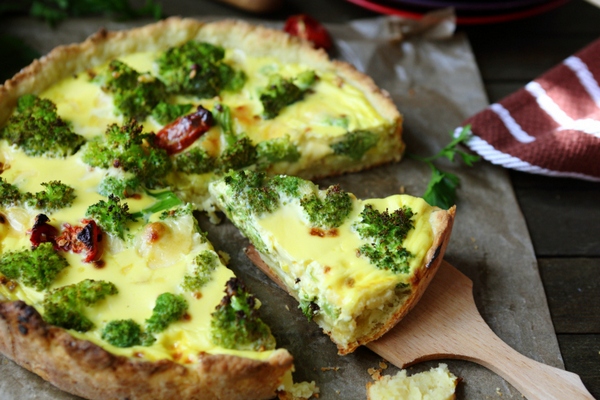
563, 215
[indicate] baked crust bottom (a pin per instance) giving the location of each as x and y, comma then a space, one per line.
85, 369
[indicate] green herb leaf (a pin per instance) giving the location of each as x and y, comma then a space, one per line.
441, 190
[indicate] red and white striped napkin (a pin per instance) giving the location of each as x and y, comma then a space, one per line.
551, 126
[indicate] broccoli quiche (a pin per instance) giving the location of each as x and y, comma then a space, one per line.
355, 266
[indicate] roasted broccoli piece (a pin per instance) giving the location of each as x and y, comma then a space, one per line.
355, 144
198, 69
36, 268
195, 161
129, 149
329, 211
120, 187
126, 333
111, 215
36, 128
206, 262
165, 113
290, 186
276, 150
309, 308
281, 92
135, 94
385, 233
9, 194
251, 190
65, 306
239, 151
57, 195
235, 324
169, 308
239, 155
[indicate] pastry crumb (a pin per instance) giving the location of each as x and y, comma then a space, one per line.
436, 384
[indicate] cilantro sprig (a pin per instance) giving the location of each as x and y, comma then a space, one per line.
441, 190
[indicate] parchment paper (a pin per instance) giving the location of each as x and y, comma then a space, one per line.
433, 78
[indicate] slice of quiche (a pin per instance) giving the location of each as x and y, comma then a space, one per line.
218, 96
355, 266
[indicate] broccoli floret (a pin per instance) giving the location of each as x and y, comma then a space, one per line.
195, 161
281, 92
120, 187
126, 333
385, 233
309, 308
289, 185
278, 149
239, 155
169, 308
206, 262
111, 215
355, 144
251, 190
57, 195
9, 194
65, 306
235, 324
328, 212
197, 68
36, 128
126, 147
135, 94
36, 268
165, 112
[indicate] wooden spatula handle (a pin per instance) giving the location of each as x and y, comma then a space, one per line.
446, 324
536, 381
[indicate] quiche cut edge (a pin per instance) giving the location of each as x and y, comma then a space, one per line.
441, 223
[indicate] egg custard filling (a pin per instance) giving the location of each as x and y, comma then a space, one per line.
350, 263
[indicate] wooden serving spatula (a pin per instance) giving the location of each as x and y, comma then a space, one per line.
445, 324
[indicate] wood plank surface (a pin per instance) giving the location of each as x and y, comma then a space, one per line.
562, 215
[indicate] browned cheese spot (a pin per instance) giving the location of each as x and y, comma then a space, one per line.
154, 231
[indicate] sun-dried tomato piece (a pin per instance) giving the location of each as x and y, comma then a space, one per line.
181, 133
42, 231
308, 28
91, 236
79, 238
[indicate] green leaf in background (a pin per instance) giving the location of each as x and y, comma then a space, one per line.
441, 190
55, 11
